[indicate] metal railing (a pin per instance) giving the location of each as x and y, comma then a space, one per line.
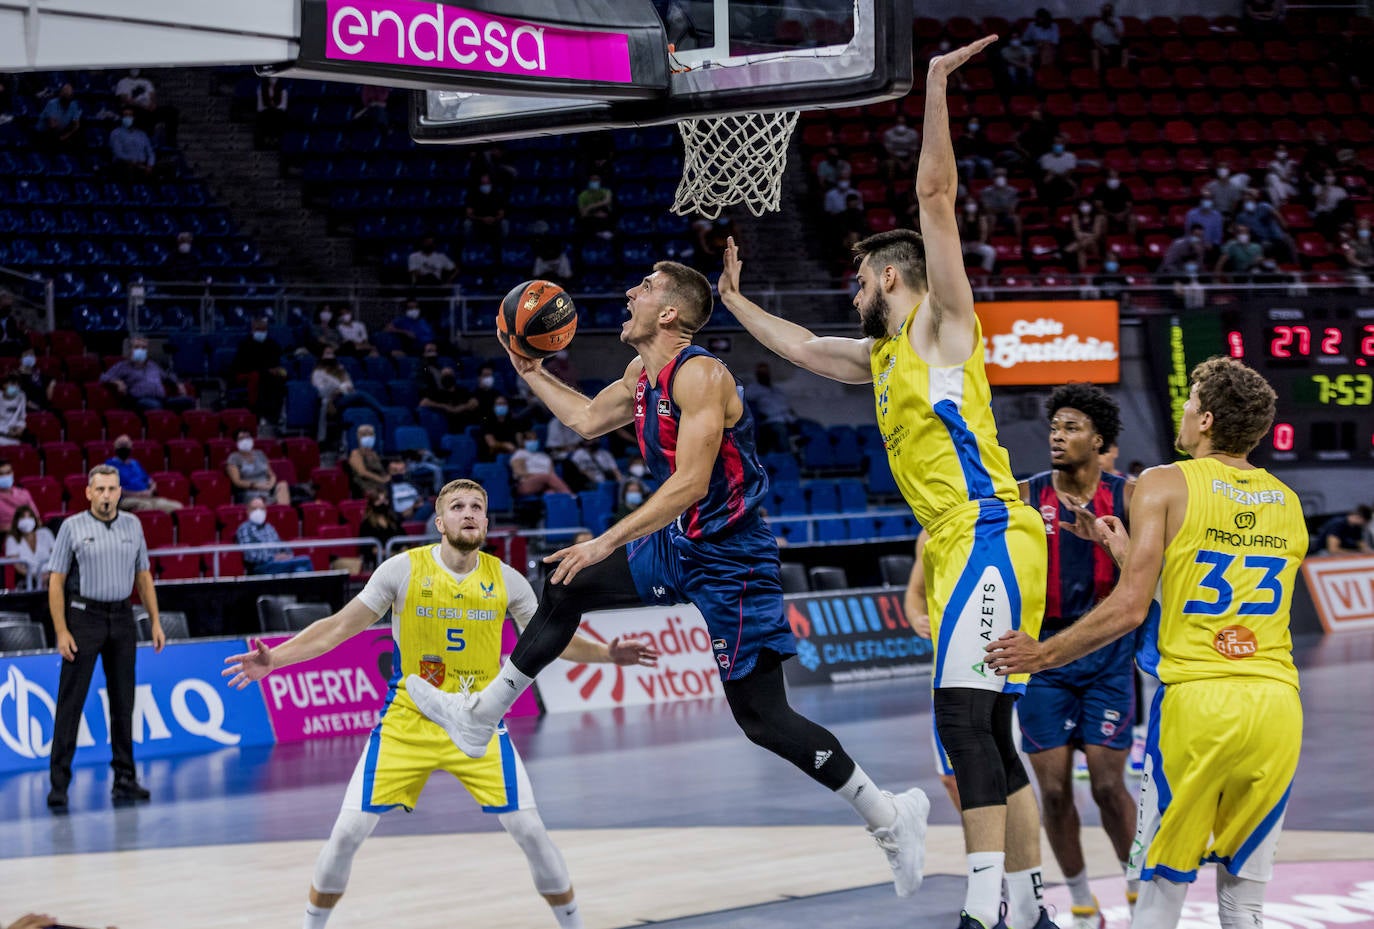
33, 292
293, 544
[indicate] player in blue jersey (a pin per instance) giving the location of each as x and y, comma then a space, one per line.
698, 538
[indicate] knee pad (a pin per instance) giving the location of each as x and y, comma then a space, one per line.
964, 718
547, 867
335, 862
1240, 902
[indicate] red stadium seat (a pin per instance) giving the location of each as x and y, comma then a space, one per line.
178, 567
218, 450
149, 453
97, 451
1124, 246
1356, 131
1215, 132
1223, 77
1295, 216
65, 343
1108, 132
1250, 132
185, 455
1120, 159
1257, 77
283, 469
315, 514
863, 164
304, 454
1165, 105
854, 135
1313, 245
989, 106
1293, 77
1277, 51
1084, 79
80, 367
157, 528
1286, 131
74, 485
98, 396
1142, 132
1306, 103
1271, 103
212, 488
1338, 104
162, 425
1121, 79
339, 532
880, 219
1096, 105
1147, 216
1243, 51
1132, 106
351, 512
1008, 248
195, 525
1153, 77
1191, 78
83, 425
173, 486
230, 516
1180, 132
331, 484
201, 424
817, 134
234, 419
1156, 245
24, 459
1075, 132
1020, 105
46, 492
285, 519
123, 422
1061, 105
270, 447
1171, 189
45, 427
872, 190
1156, 161
61, 459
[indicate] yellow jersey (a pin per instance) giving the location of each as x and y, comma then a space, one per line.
937, 427
1228, 577
448, 630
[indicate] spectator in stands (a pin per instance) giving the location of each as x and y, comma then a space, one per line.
485, 218
772, 411
59, 125
257, 365
1239, 255
1358, 248
137, 490
1018, 65
828, 169
500, 431
851, 225
142, 384
256, 530
250, 473
1226, 189
593, 462
972, 151
135, 90
1317, 160
973, 234
1267, 225
430, 267
532, 469
551, 258
711, 236
487, 392
14, 411
1042, 35
594, 206
1342, 535
560, 442
36, 385
368, 472
184, 264
1108, 35
372, 107
998, 203
837, 197
1281, 178
353, 335
272, 101
1206, 215
1035, 137
560, 365
411, 328
14, 335
1186, 255
1330, 205
31, 544
632, 494
323, 336
131, 150
901, 142
1109, 283
11, 497
337, 393
1057, 166
1088, 229
380, 522
423, 468
492, 162
406, 499
1115, 201
1263, 18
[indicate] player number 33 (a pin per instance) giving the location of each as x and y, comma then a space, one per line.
1222, 578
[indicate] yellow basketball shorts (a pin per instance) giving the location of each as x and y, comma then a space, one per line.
985, 575
405, 748
1219, 764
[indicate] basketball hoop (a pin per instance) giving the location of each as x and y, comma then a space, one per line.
733, 159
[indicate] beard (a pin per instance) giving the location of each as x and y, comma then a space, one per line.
467, 540
873, 317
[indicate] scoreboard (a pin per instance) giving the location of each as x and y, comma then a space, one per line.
1319, 357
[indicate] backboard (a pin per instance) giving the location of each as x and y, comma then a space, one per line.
728, 57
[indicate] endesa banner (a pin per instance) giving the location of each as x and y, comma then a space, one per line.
1342, 590
181, 705
1051, 342
854, 635
686, 665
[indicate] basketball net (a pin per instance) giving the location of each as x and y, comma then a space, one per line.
733, 159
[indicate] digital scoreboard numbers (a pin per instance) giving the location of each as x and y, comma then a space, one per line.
1319, 359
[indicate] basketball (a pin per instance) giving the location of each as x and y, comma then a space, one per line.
537, 319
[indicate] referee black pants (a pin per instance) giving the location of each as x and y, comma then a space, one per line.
107, 632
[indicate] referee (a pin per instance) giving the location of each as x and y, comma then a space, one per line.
102, 555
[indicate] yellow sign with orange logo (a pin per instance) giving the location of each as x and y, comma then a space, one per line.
1051, 342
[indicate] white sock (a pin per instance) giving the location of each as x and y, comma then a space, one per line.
983, 900
1025, 896
567, 915
500, 694
1132, 883
876, 807
1078, 888
316, 916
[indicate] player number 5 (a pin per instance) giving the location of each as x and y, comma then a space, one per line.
456, 642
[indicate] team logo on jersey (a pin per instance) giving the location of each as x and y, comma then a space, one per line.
719, 645
723, 661
432, 670
488, 590
1050, 514
426, 583
1235, 642
1245, 520
665, 407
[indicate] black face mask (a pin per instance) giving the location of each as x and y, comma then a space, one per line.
123, 452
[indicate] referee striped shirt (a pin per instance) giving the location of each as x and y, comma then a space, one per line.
103, 556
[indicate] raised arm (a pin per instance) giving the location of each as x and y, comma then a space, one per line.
311, 642
590, 417
840, 359
950, 322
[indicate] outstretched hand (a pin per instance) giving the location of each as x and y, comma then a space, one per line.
943, 65
248, 667
574, 558
633, 652
729, 275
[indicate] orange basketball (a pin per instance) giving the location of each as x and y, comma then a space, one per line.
537, 319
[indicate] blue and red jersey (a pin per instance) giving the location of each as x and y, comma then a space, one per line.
738, 481
1081, 574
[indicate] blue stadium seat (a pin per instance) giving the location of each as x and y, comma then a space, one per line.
403, 393
844, 444
822, 497
408, 438
831, 530
494, 476
853, 496
302, 407
782, 466
462, 454
561, 512
880, 481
